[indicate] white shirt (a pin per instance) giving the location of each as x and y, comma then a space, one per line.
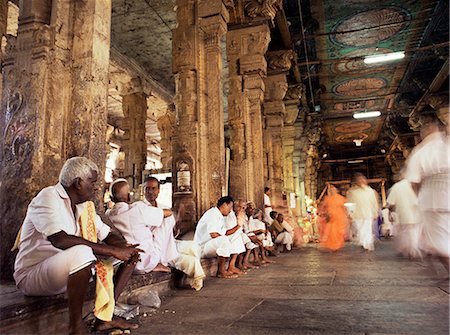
429, 165
403, 197
366, 204
49, 213
287, 226
135, 222
212, 221
267, 201
257, 225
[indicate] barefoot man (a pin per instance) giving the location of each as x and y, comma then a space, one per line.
58, 248
211, 235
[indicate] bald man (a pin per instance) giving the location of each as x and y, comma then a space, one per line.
135, 221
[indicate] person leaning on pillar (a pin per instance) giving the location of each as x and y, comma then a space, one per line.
58, 248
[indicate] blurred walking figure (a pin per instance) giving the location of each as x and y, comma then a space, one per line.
365, 212
336, 223
402, 201
428, 172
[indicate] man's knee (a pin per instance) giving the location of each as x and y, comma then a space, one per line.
79, 257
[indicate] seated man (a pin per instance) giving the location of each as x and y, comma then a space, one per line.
258, 227
237, 217
212, 235
163, 235
135, 221
282, 236
58, 248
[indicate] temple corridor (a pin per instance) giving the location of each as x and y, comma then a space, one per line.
309, 291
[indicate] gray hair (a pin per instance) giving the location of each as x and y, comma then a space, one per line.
76, 167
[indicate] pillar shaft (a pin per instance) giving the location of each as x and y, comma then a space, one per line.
134, 108
246, 47
198, 163
47, 98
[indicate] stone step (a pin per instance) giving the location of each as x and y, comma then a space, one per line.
49, 315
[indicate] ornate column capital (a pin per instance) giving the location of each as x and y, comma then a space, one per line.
281, 60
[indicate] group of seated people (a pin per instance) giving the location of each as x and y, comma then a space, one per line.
63, 242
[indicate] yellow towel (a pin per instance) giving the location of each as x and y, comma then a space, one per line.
104, 290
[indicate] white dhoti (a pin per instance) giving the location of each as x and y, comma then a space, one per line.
285, 238
407, 237
189, 263
219, 246
50, 276
237, 245
364, 233
249, 245
266, 240
164, 241
436, 232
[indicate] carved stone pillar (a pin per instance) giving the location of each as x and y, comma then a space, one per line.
274, 112
90, 54
134, 106
246, 47
49, 90
312, 159
166, 124
198, 163
213, 26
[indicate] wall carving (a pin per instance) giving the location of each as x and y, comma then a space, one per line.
263, 8
295, 92
281, 60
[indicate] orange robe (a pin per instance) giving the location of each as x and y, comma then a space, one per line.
336, 226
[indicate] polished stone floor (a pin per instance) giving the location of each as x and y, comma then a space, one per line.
310, 291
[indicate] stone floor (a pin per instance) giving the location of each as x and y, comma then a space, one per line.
309, 291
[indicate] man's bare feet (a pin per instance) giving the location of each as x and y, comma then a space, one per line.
116, 322
226, 275
237, 271
161, 268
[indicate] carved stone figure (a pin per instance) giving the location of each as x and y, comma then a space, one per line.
295, 92
263, 8
281, 60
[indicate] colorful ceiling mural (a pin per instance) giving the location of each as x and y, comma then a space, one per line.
349, 31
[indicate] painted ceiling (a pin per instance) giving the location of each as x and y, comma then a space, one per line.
337, 36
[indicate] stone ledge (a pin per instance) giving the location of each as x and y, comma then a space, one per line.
29, 314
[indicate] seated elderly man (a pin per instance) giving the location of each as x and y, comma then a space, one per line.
212, 236
135, 221
58, 248
237, 217
258, 227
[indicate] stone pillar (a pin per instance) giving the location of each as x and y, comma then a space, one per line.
312, 158
90, 54
247, 68
213, 26
198, 163
134, 106
274, 111
166, 124
45, 102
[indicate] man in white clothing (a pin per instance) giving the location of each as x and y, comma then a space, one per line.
236, 217
163, 235
267, 205
54, 256
428, 171
211, 235
136, 221
402, 200
366, 210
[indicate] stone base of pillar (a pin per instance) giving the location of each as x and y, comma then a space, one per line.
184, 206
